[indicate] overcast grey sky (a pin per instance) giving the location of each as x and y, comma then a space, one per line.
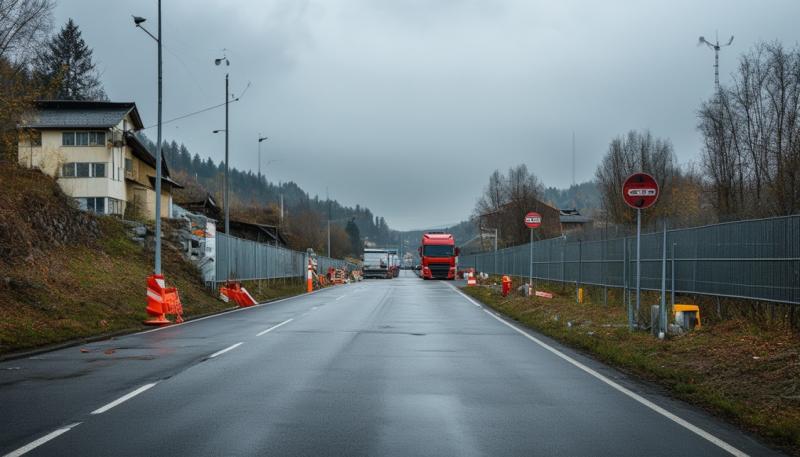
406, 106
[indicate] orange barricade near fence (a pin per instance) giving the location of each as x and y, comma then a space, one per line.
234, 291
162, 300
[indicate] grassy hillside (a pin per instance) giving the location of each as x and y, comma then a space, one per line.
66, 274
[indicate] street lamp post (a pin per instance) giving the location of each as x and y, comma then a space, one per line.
227, 134
138, 22
260, 139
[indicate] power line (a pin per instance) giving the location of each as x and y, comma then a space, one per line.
194, 113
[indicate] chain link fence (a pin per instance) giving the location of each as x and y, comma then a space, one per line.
245, 260
754, 259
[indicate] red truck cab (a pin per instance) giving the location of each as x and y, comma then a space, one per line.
438, 254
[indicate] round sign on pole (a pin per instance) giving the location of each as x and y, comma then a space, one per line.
533, 220
640, 191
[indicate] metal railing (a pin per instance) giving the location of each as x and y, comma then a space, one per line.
753, 259
245, 260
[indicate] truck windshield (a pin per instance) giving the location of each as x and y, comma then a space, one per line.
433, 250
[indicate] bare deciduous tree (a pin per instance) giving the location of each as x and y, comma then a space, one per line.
636, 152
751, 134
506, 200
23, 26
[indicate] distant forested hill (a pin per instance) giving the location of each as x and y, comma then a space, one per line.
584, 196
247, 191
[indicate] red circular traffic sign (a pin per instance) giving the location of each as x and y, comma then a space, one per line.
533, 220
640, 191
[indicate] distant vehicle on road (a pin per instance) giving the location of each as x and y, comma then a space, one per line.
438, 254
377, 263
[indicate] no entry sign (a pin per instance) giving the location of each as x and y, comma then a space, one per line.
640, 191
533, 220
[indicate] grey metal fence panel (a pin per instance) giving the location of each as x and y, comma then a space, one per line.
754, 259
245, 260
249, 260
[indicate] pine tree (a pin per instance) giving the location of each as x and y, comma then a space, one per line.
66, 61
355, 236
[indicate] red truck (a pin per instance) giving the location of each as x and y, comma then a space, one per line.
438, 254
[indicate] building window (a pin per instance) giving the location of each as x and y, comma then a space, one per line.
128, 165
83, 170
115, 206
83, 138
93, 204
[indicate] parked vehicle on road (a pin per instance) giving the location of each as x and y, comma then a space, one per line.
438, 254
377, 263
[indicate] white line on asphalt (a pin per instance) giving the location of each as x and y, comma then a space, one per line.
123, 398
229, 348
275, 326
466, 296
683, 423
339, 298
34, 444
236, 310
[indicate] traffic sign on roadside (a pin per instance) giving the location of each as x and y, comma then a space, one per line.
533, 220
640, 191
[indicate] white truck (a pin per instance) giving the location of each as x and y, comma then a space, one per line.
378, 263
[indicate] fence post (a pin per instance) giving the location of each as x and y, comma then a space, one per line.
673, 277
663, 311
578, 275
625, 291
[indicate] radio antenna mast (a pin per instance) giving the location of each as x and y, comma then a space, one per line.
716, 47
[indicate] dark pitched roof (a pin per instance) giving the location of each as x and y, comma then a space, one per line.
57, 114
573, 216
140, 151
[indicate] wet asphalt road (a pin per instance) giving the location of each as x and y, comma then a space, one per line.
383, 367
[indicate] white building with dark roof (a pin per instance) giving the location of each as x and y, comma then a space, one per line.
91, 148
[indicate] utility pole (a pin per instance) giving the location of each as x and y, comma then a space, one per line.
227, 162
138, 21
260, 139
226, 183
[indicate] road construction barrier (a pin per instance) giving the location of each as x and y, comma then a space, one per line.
336, 276
471, 279
506, 285
543, 294
162, 300
234, 291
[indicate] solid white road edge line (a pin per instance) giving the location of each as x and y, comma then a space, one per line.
229, 348
123, 398
683, 423
34, 444
275, 326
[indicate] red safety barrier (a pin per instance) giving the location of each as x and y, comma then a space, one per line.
471, 281
543, 294
234, 291
162, 300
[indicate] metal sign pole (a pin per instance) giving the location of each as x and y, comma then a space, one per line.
638, 260
662, 317
530, 274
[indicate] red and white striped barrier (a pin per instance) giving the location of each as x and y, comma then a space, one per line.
162, 300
